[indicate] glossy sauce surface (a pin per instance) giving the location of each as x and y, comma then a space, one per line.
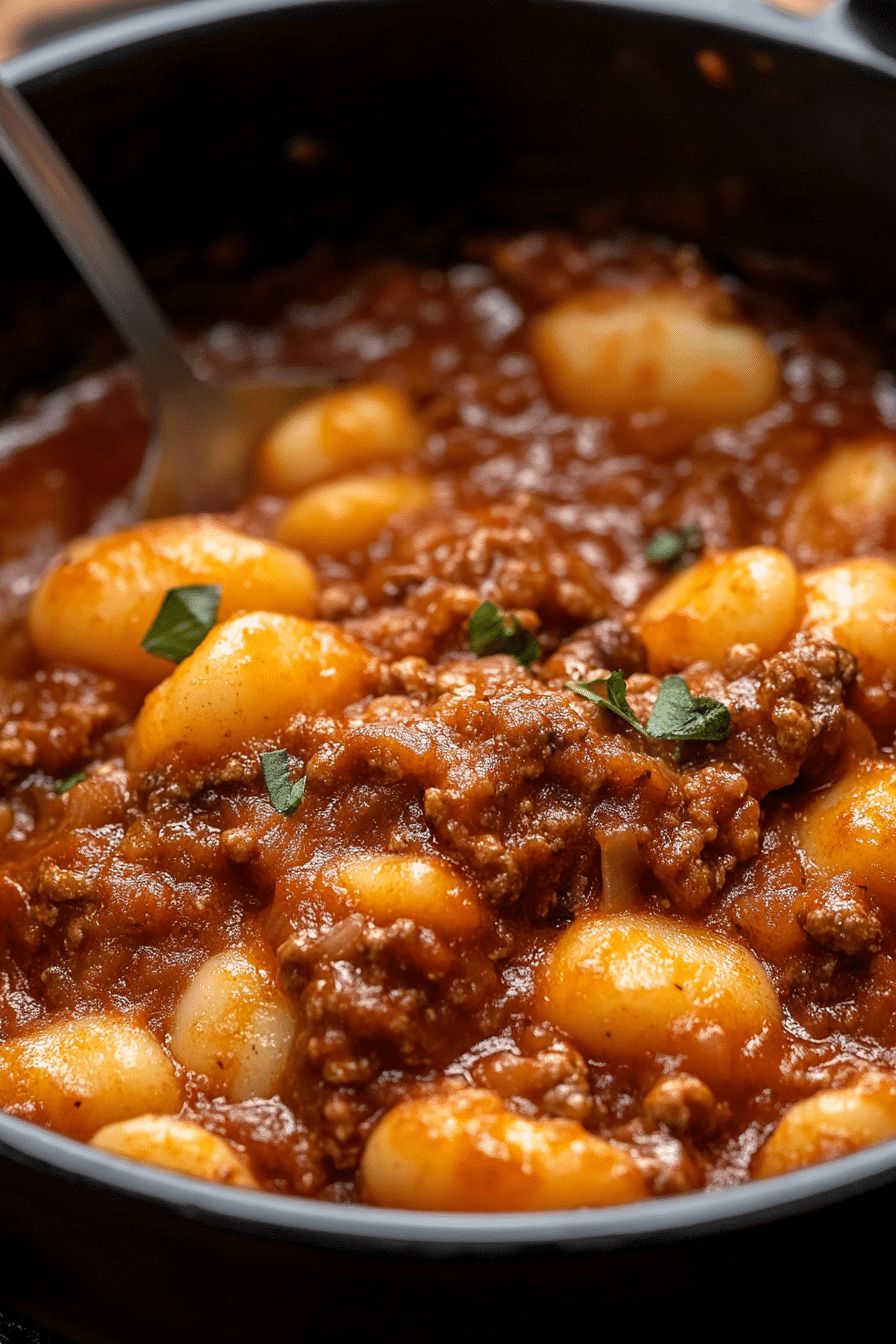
497, 903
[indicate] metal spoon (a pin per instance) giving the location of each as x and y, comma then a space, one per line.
204, 434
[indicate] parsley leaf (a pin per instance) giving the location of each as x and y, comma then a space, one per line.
677, 715
284, 795
614, 700
63, 785
183, 621
494, 631
676, 549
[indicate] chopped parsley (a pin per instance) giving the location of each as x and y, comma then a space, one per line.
183, 621
492, 630
284, 795
675, 550
677, 715
63, 785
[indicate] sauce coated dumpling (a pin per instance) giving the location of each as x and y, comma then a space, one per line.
467, 1151
609, 354
851, 828
628, 987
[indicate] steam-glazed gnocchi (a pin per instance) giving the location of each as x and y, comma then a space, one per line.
836, 1121
78, 1076
628, 986
96, 606
514, 830
752, 596
338, 432
468, 1152
247, 677
233, 1025
178, 1145
606, 354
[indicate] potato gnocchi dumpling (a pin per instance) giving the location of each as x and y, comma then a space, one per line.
851, 828
468, 1152
95, 607
338, 432
848, 503
348, 514
404, 886
76, 1076
751, 596
605, 354
248, 677
854, 604
631, 987
177, 1145
836, 1121
233, 1025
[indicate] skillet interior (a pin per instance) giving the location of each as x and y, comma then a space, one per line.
440, 117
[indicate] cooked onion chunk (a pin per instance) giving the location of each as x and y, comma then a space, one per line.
246, 680
78, 1076
467, 1151
606, 354
338, 432
627, 987
95, 607
177, 1145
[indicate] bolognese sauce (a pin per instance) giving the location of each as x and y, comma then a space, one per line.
494, 811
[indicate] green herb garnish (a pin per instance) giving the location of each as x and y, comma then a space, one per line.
677, 715
284, 795
492, 630
183, 621
63, 785
676, 550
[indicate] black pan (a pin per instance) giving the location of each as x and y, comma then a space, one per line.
439, 117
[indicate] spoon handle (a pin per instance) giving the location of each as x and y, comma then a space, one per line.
93, 247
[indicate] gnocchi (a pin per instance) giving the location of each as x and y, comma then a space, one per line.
76, 1076
751, 596
95, 607
398, 886
468, 1152
348, 514
851, 828
854, 604
338, 432
610, 355
234, 1026
249, 675
176, 1145
836, 1121
634, 986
